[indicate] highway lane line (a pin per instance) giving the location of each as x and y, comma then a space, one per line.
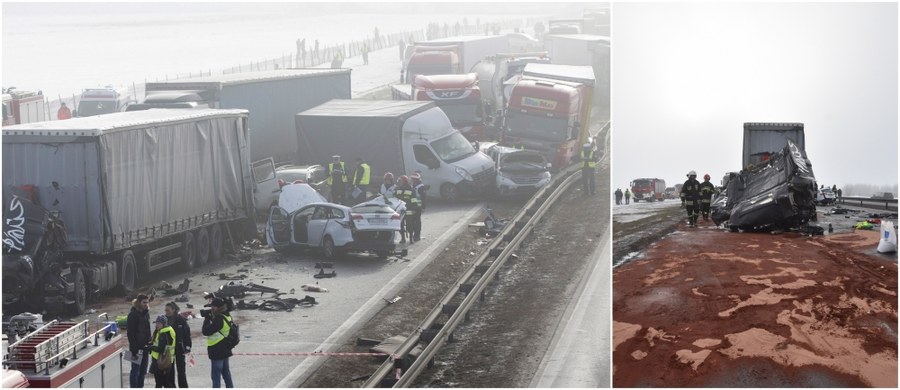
303, 370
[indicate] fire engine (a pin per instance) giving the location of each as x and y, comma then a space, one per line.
64, 353
648, 189
23, 107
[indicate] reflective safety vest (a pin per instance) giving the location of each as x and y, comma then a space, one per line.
707, 190
216, 337
331, 172
171, 347
414, 206
366, 171
588, 160
404, 194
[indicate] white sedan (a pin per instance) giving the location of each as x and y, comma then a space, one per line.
303, 219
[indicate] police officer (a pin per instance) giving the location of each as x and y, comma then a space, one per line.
404, 192
361, 178
707, 190
337, 179
588, 165
690, 197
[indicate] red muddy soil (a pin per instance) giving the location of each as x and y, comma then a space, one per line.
705, 307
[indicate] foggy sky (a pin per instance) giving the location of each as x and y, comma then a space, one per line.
685, 77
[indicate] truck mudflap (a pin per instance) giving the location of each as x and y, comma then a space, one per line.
778, 195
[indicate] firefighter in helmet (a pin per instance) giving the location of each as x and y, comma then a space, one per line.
690, 197
707, 190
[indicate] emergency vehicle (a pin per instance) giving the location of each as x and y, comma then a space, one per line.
67, 354
23, 107
99, 101
648, 189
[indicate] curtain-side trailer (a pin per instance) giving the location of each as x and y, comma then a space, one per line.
91, 204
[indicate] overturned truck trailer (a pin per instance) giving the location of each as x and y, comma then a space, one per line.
778, 195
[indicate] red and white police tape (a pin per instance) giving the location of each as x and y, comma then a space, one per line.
304, 353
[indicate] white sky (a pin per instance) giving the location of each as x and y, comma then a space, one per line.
685, 77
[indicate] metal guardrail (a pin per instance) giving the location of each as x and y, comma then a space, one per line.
873, 203
501, 248
516, 230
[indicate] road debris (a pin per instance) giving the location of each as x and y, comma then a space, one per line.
313, 288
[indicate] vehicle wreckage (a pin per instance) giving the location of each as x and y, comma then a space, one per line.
777, 194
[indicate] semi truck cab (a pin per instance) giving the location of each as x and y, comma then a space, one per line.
545, 115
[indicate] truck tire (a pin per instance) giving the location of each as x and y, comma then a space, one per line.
216, 243
188, 251
79, 293
129, 271
449, 192
202, 239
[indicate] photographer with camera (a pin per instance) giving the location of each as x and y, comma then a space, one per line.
216, 327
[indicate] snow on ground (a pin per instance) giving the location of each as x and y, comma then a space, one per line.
639, 210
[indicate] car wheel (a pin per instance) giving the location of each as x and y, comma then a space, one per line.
328, 247
202, 246
449, 192
129, 268
188, 251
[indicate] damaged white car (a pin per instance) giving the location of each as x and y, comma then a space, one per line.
518, 171
303, 219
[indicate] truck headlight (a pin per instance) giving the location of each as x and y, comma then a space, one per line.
465, 175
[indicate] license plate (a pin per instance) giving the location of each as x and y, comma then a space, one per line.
378, 221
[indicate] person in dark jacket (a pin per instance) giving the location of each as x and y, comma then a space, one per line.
138, 329
216, 327
183, 340
707, 190
690, 197
163, 342
618, 196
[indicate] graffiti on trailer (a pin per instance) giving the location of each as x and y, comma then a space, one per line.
14, 234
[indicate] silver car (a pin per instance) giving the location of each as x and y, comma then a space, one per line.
303, 219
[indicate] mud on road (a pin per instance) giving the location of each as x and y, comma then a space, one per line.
706, 307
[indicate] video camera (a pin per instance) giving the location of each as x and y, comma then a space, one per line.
229, 303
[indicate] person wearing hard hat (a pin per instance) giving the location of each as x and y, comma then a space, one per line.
707, 190
690, 197
337, 179
588, 166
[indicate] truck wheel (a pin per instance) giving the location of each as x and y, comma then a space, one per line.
449, 192
202, 246
80, 293
328, 247
188, 251
129, 271
216, 243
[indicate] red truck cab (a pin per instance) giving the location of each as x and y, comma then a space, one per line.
545, 115
459, 97
431, 60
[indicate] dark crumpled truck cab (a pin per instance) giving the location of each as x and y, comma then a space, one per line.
778, 195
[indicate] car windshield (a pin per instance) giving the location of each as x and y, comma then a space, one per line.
453, 148
538, 127
372, 209
91, 107
641, 183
